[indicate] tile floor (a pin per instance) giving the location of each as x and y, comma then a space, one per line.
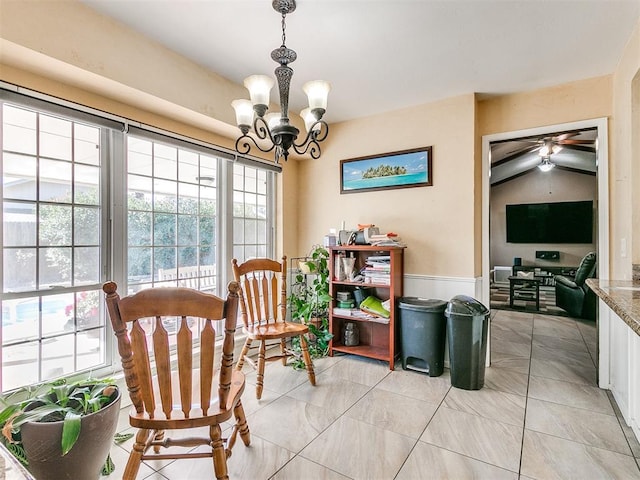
539, 416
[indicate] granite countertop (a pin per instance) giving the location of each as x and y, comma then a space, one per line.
622, 296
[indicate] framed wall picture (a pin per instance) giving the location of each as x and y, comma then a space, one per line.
404, 169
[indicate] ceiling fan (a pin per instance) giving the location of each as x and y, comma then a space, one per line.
550, 145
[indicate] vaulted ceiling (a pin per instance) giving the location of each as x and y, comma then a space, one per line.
573, 150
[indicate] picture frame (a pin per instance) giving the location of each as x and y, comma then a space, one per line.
402, 169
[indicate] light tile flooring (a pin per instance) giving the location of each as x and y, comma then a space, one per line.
539, 416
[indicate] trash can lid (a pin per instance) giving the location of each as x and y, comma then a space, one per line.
465, 306
422, 304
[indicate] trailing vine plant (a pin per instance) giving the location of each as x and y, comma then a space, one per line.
310, 301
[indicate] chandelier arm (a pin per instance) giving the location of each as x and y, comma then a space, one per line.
315, 136
243, 146
309, 144
322, 133
261, 127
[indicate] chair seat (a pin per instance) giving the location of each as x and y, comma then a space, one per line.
196, 418
269, 331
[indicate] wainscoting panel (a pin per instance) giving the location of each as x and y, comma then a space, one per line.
442, 288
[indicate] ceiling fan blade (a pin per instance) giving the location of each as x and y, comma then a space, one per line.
564, 136
576, 142
581, 148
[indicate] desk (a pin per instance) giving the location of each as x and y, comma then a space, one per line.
523, 288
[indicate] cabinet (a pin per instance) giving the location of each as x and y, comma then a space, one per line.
377, 336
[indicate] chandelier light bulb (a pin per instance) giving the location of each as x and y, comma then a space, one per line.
317, 92
244, 112
272, 119
259, 87
309, 119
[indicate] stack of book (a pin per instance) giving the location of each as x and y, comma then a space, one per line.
386, 240
377, 270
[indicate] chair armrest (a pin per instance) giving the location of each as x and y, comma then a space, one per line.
565, 281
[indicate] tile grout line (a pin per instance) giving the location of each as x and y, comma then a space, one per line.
422, 433
526, 401
297, 454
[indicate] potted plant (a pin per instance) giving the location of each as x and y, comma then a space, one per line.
310, 301
62, 430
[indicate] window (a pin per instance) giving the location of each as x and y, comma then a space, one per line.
77, 213
171, 210
251, 226
52, 231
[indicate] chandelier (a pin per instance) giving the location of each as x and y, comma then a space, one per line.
275, 126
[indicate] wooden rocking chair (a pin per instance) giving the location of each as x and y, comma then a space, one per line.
184, 397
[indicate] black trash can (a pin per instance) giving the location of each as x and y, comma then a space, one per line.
467, 323
422, 333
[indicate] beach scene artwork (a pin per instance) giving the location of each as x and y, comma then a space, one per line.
411, 168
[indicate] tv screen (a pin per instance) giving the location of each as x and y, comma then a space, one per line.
559, 222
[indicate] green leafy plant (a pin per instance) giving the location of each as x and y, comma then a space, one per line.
53, 402
310, 302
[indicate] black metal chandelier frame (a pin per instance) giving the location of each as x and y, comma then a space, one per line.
283, 135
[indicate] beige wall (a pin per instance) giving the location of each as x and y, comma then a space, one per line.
553, 186
570, 102
436, 222
625, 168
81, 46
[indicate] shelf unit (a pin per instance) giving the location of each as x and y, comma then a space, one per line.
377, 339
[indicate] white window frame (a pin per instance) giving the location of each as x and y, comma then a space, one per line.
114, 194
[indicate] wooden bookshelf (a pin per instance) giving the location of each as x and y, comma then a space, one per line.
378, 338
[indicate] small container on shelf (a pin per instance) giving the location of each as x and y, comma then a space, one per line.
350, 335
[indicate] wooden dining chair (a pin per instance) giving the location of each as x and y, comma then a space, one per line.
263, 305
183, 397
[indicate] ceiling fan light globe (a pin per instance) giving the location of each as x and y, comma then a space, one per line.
546, 165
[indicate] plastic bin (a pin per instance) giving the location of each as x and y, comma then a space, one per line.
423, 334
467, 323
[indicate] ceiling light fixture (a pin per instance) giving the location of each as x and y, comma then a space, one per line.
276, 127
546, 164
549, 148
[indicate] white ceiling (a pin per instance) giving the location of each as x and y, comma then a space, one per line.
384, 55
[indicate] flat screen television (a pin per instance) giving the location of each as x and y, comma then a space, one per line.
558, 222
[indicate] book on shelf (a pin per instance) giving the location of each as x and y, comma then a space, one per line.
379, 258
362, 315
380, 279
359, 315
386, 240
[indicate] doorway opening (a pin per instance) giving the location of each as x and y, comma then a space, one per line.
542, 220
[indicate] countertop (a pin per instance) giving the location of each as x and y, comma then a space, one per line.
622, 296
